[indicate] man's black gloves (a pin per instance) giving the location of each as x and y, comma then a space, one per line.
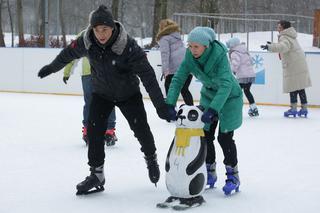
65, 79
45, 71
209, 116
164, 113
172, 113
265, 47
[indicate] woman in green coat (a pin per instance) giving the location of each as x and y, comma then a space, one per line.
221, 98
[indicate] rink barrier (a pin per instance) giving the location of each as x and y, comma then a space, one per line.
21, 65
146, 98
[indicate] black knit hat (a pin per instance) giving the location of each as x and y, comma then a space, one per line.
101, 16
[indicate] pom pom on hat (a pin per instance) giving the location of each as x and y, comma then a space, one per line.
232, 42
202, 35
101, 16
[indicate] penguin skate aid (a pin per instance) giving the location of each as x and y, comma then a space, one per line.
186, 174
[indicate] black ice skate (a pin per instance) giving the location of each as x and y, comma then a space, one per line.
153, 167
93, 183
253, 112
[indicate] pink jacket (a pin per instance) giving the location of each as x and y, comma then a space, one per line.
241, 63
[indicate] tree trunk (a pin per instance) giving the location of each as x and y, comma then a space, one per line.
115, 9
41, 19
63, 31
142, 22
122, 13
164, 5
209, 6
156, 20
11, 24
2, 43
36, 20
20, 23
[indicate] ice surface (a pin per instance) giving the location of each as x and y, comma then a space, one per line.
42, 158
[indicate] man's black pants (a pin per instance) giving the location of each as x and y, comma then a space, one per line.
133, 110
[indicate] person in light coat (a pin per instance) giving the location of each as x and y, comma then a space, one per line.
172, 53
241, 66
295, 70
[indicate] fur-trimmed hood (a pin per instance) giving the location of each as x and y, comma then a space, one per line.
172, 28
117, 47
290, 32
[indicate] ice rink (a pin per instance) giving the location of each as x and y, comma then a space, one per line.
42, 158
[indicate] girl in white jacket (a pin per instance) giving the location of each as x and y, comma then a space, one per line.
241, 66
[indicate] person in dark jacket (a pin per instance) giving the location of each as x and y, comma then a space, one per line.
116, 61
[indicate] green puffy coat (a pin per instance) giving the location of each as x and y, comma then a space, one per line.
220, 90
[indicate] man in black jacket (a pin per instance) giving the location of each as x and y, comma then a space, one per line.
116, 61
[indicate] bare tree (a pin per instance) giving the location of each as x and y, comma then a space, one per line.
140, 17
63, 31
139, 24
35, 11
164, 5
156, 21
11, 23
122, 7
209, 6
40, 18
115, 9
20, 23
142, 21
2, 43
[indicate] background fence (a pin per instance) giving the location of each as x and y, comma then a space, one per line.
227, 23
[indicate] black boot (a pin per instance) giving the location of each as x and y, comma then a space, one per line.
95, 180
153, 167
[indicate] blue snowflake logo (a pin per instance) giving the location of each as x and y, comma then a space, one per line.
257, 61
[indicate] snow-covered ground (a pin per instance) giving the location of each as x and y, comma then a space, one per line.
42, 158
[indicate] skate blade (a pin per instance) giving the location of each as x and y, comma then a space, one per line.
208, 187
110, 143
232, 192
182, 207
98, 189
303, 116
166, 205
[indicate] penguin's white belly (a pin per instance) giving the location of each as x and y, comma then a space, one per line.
184, 179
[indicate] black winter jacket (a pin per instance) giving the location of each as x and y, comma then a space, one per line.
114, 69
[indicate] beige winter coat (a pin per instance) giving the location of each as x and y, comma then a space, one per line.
295, 69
